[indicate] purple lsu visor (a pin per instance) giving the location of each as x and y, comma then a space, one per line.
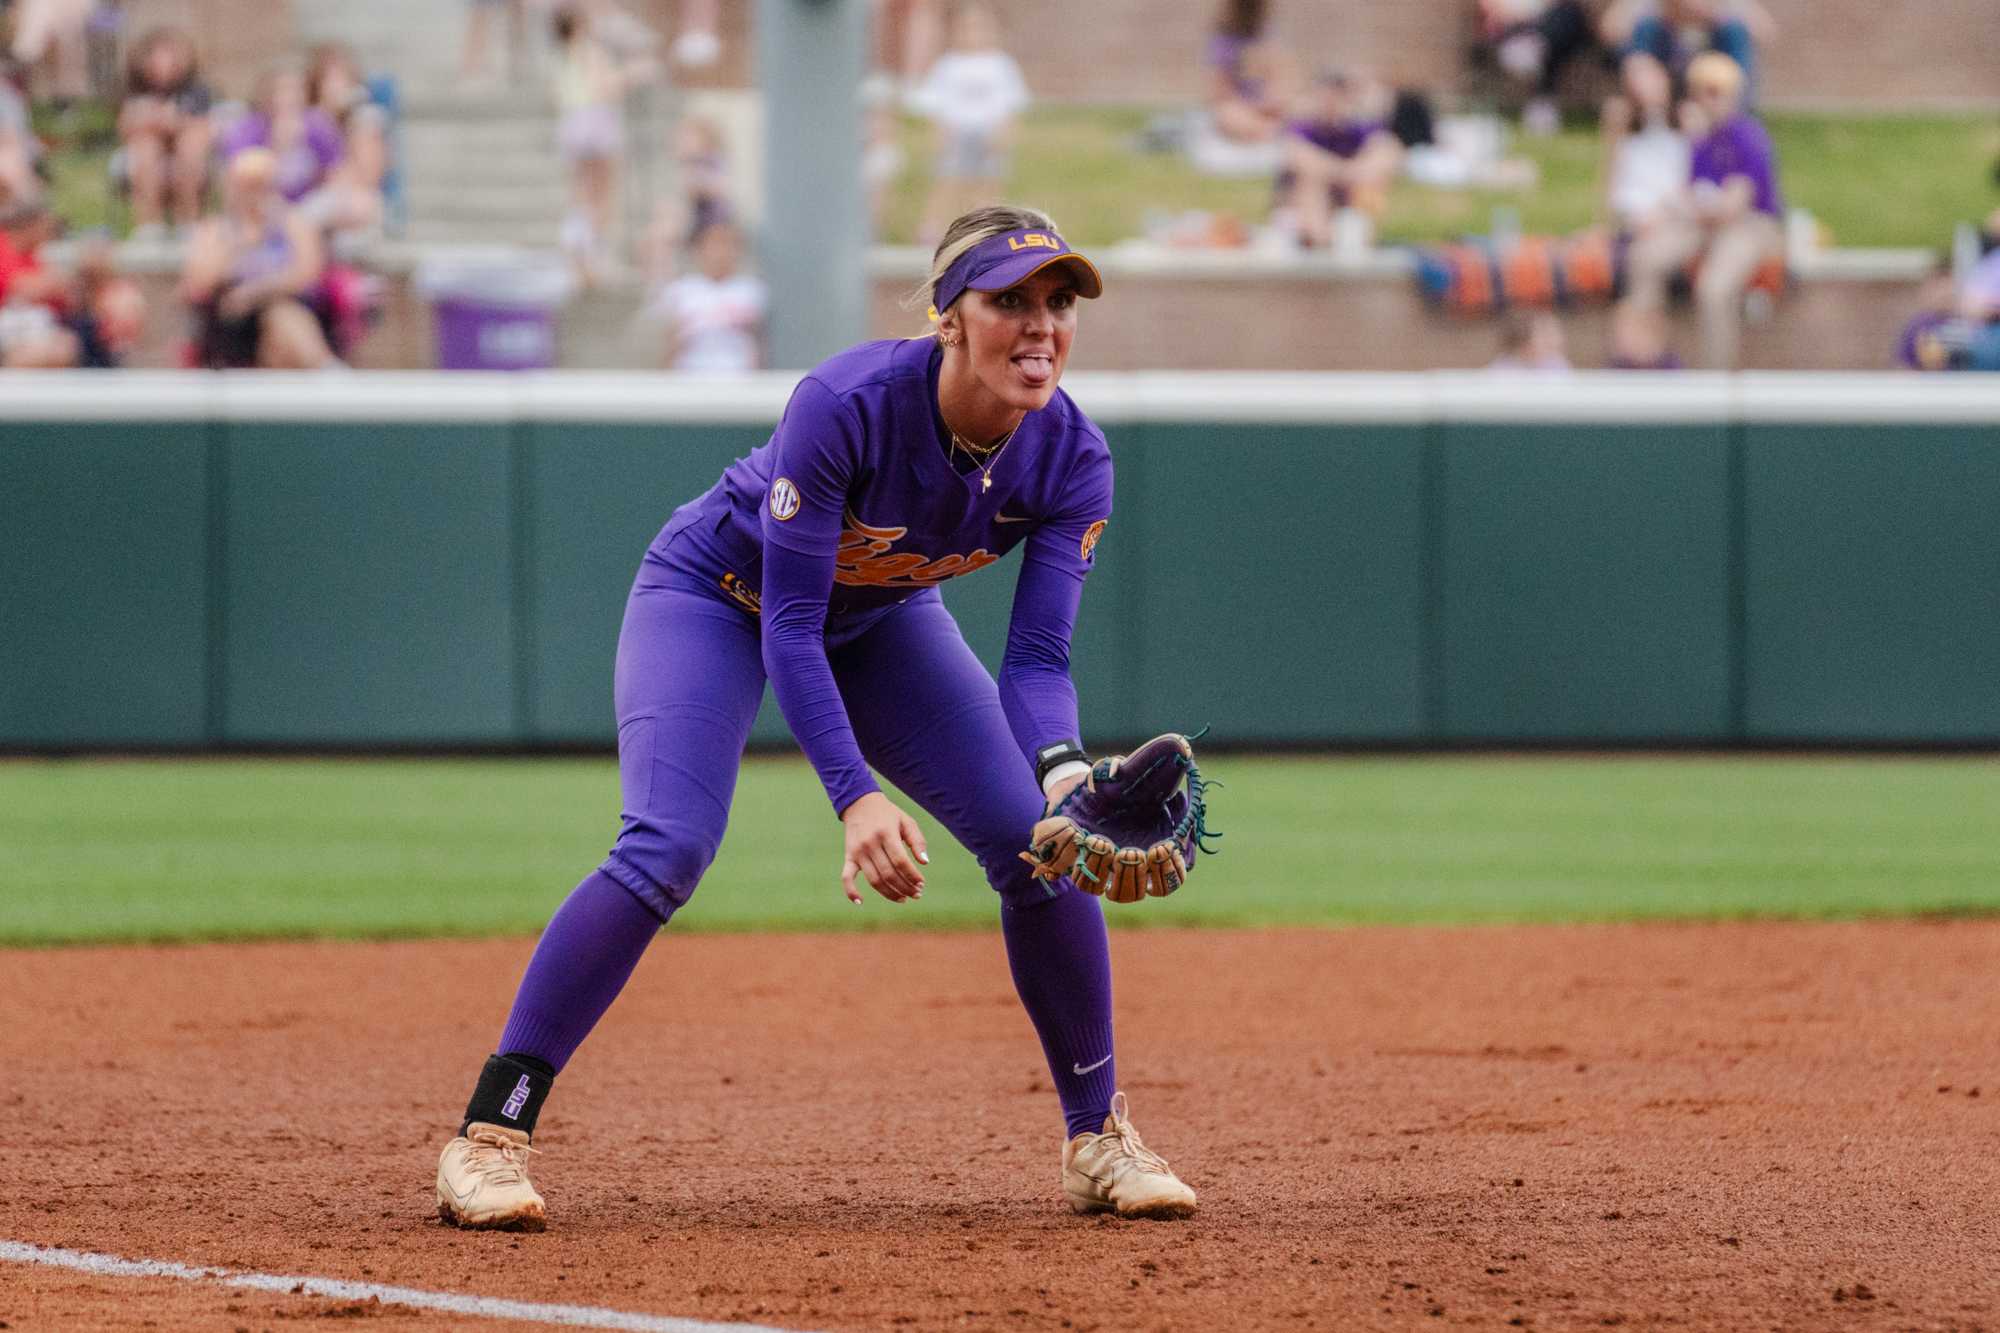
1010, 259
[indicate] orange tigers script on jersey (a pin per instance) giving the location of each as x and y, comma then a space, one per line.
864, 560
1090, 536
744, 595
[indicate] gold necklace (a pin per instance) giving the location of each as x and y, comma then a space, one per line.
986, 454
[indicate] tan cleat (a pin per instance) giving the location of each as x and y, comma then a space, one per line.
483, 1181
1115, 1172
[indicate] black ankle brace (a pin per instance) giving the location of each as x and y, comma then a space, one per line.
510, 1093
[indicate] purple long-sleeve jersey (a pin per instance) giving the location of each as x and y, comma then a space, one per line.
854, 507
1740, 146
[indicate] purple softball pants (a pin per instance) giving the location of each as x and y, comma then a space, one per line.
928, 718
927, 715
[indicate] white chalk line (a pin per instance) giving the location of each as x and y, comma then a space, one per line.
484, 1307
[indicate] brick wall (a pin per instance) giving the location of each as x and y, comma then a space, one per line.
1886, 51
1883, 52
1879, 52
1249, 324
1150, 50
1378, 324
1874, 52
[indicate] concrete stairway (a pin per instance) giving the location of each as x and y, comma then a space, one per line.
480, 166
418, 43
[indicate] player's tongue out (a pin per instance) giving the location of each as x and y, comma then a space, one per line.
1037, 366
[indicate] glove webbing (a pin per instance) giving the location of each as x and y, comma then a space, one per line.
1194, 822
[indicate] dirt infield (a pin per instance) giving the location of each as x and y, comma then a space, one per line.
1705, 1126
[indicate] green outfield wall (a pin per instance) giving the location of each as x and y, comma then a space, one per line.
414, 560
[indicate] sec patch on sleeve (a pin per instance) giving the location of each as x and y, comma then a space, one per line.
1090, 537
785, 500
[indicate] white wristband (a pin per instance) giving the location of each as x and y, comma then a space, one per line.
1062, 773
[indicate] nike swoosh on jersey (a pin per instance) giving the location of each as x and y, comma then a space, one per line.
1013, 518
1076, 1068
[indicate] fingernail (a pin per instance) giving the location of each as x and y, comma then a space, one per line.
924, 857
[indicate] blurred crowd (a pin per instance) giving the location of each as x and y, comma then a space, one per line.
262, 196
272, 195
1958, 326
1691, 206
1689, 176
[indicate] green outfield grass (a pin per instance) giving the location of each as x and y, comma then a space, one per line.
101, 850
1078, 162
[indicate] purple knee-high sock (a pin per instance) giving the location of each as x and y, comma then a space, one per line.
1061, 962
583, 960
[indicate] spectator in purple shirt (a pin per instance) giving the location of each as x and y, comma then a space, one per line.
350, 203
1245, 82
1339, 154
254, 276
1975, 331
302, 137
1979, 297
1732, 218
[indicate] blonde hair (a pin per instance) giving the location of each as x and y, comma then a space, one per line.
253, 168
1713, 67
967, 231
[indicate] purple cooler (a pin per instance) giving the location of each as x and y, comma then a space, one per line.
493, 309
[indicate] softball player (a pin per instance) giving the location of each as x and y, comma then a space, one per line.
814, 562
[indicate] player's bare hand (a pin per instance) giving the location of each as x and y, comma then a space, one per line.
1062, 789
881, 840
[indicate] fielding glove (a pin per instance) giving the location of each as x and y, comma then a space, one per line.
1131, 829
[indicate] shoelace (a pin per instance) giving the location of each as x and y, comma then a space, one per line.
499, 1161
1142, 1157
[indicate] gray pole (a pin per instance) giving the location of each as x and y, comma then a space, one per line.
811, 57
